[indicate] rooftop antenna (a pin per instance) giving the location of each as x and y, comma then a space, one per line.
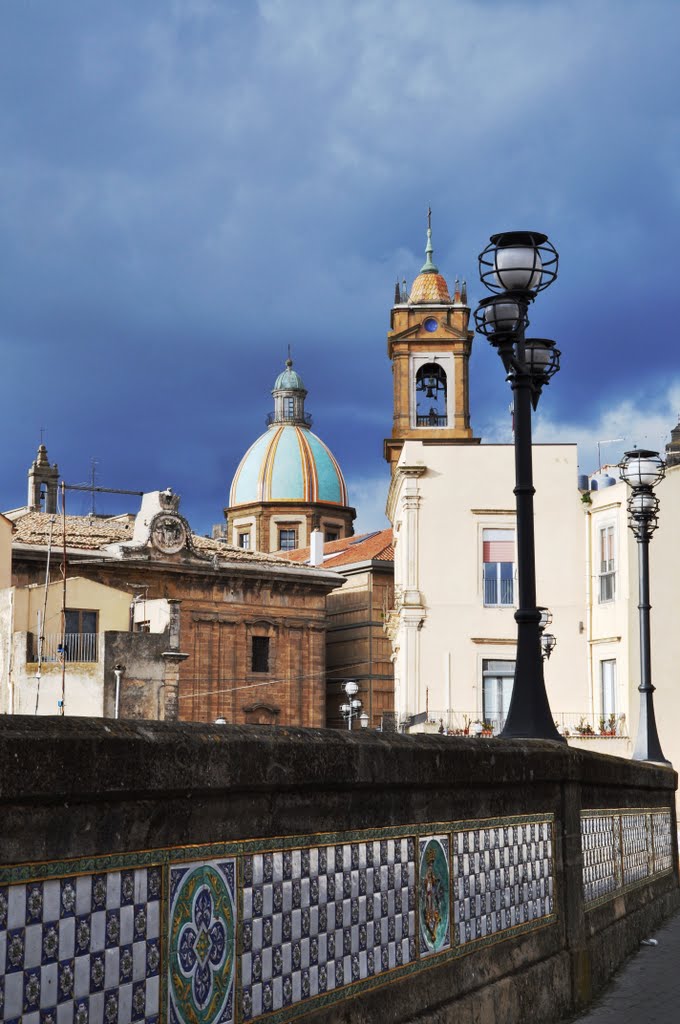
94, 462
43, 431
612, 440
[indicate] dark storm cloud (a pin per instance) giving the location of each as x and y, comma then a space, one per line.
186, 188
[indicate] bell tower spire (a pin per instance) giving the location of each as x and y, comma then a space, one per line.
429, 344
428, 266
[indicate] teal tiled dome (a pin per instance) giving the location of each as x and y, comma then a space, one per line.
288, 463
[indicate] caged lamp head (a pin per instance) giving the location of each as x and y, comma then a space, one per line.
642, 468
500, 316
522, 261
542, 358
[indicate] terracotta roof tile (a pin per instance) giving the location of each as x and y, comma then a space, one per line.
429, 288
366, 547
86, 532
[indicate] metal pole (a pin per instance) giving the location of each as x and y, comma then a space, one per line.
529, 714
647, 744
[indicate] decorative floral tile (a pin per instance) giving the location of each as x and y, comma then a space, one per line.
201, 940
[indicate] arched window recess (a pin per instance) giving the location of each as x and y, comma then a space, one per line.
431, 396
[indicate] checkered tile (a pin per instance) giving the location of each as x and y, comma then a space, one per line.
502, 877
663, 841
319, 918
81, 949
637, 847
601, 847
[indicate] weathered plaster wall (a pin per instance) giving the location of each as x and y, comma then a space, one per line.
244, 813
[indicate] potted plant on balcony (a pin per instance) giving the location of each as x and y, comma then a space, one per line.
584, 728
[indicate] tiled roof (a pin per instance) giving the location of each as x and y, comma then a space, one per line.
429, 287
86, 532
364, 548
90, 533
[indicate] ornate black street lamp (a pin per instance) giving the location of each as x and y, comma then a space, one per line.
516, 266
642, 470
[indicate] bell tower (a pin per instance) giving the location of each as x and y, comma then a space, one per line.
43, 482
429, 345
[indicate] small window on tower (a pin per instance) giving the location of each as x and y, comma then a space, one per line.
287, 539
260, 654
289, 408
244, 540
330, 535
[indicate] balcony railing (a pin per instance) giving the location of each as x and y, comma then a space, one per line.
431, 420
571, 724
289, 417
57, 647
499, 592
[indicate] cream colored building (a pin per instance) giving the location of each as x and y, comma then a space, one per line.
453, 627
612, 618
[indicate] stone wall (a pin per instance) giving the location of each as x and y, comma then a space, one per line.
238, 873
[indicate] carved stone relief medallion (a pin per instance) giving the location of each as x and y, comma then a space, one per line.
168, 533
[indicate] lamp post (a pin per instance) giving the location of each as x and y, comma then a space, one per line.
515, 266
548, 640
642, 470
351, 708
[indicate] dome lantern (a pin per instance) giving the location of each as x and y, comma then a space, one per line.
289, 398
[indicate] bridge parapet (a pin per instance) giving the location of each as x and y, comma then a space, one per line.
200, 873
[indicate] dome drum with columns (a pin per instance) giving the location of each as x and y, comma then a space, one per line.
288, 483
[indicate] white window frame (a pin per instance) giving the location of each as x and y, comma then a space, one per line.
503, 694
499, 581
606, 586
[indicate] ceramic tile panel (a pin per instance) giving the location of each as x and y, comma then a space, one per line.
502, 878
435, 894
636, 847
323, 917
201, 942
623, 848
662, 837
262, 929
601, 846
81, 948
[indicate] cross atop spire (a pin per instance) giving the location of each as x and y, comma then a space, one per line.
428, 266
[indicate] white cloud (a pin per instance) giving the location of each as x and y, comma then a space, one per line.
642, 420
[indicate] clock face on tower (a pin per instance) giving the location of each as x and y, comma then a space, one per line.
430, 324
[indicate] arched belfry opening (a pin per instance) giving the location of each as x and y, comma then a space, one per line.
431, 392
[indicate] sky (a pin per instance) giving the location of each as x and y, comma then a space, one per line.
188, 187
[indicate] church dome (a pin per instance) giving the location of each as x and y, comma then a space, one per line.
288, 462
429, 286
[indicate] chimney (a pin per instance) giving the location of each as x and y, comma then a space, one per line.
316, 548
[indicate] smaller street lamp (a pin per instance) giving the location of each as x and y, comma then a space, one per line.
548, 645
548, 640
351, 708
363, 719
642, 470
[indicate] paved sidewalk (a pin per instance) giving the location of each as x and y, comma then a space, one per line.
646, 989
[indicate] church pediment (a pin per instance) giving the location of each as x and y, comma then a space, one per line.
418, 331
